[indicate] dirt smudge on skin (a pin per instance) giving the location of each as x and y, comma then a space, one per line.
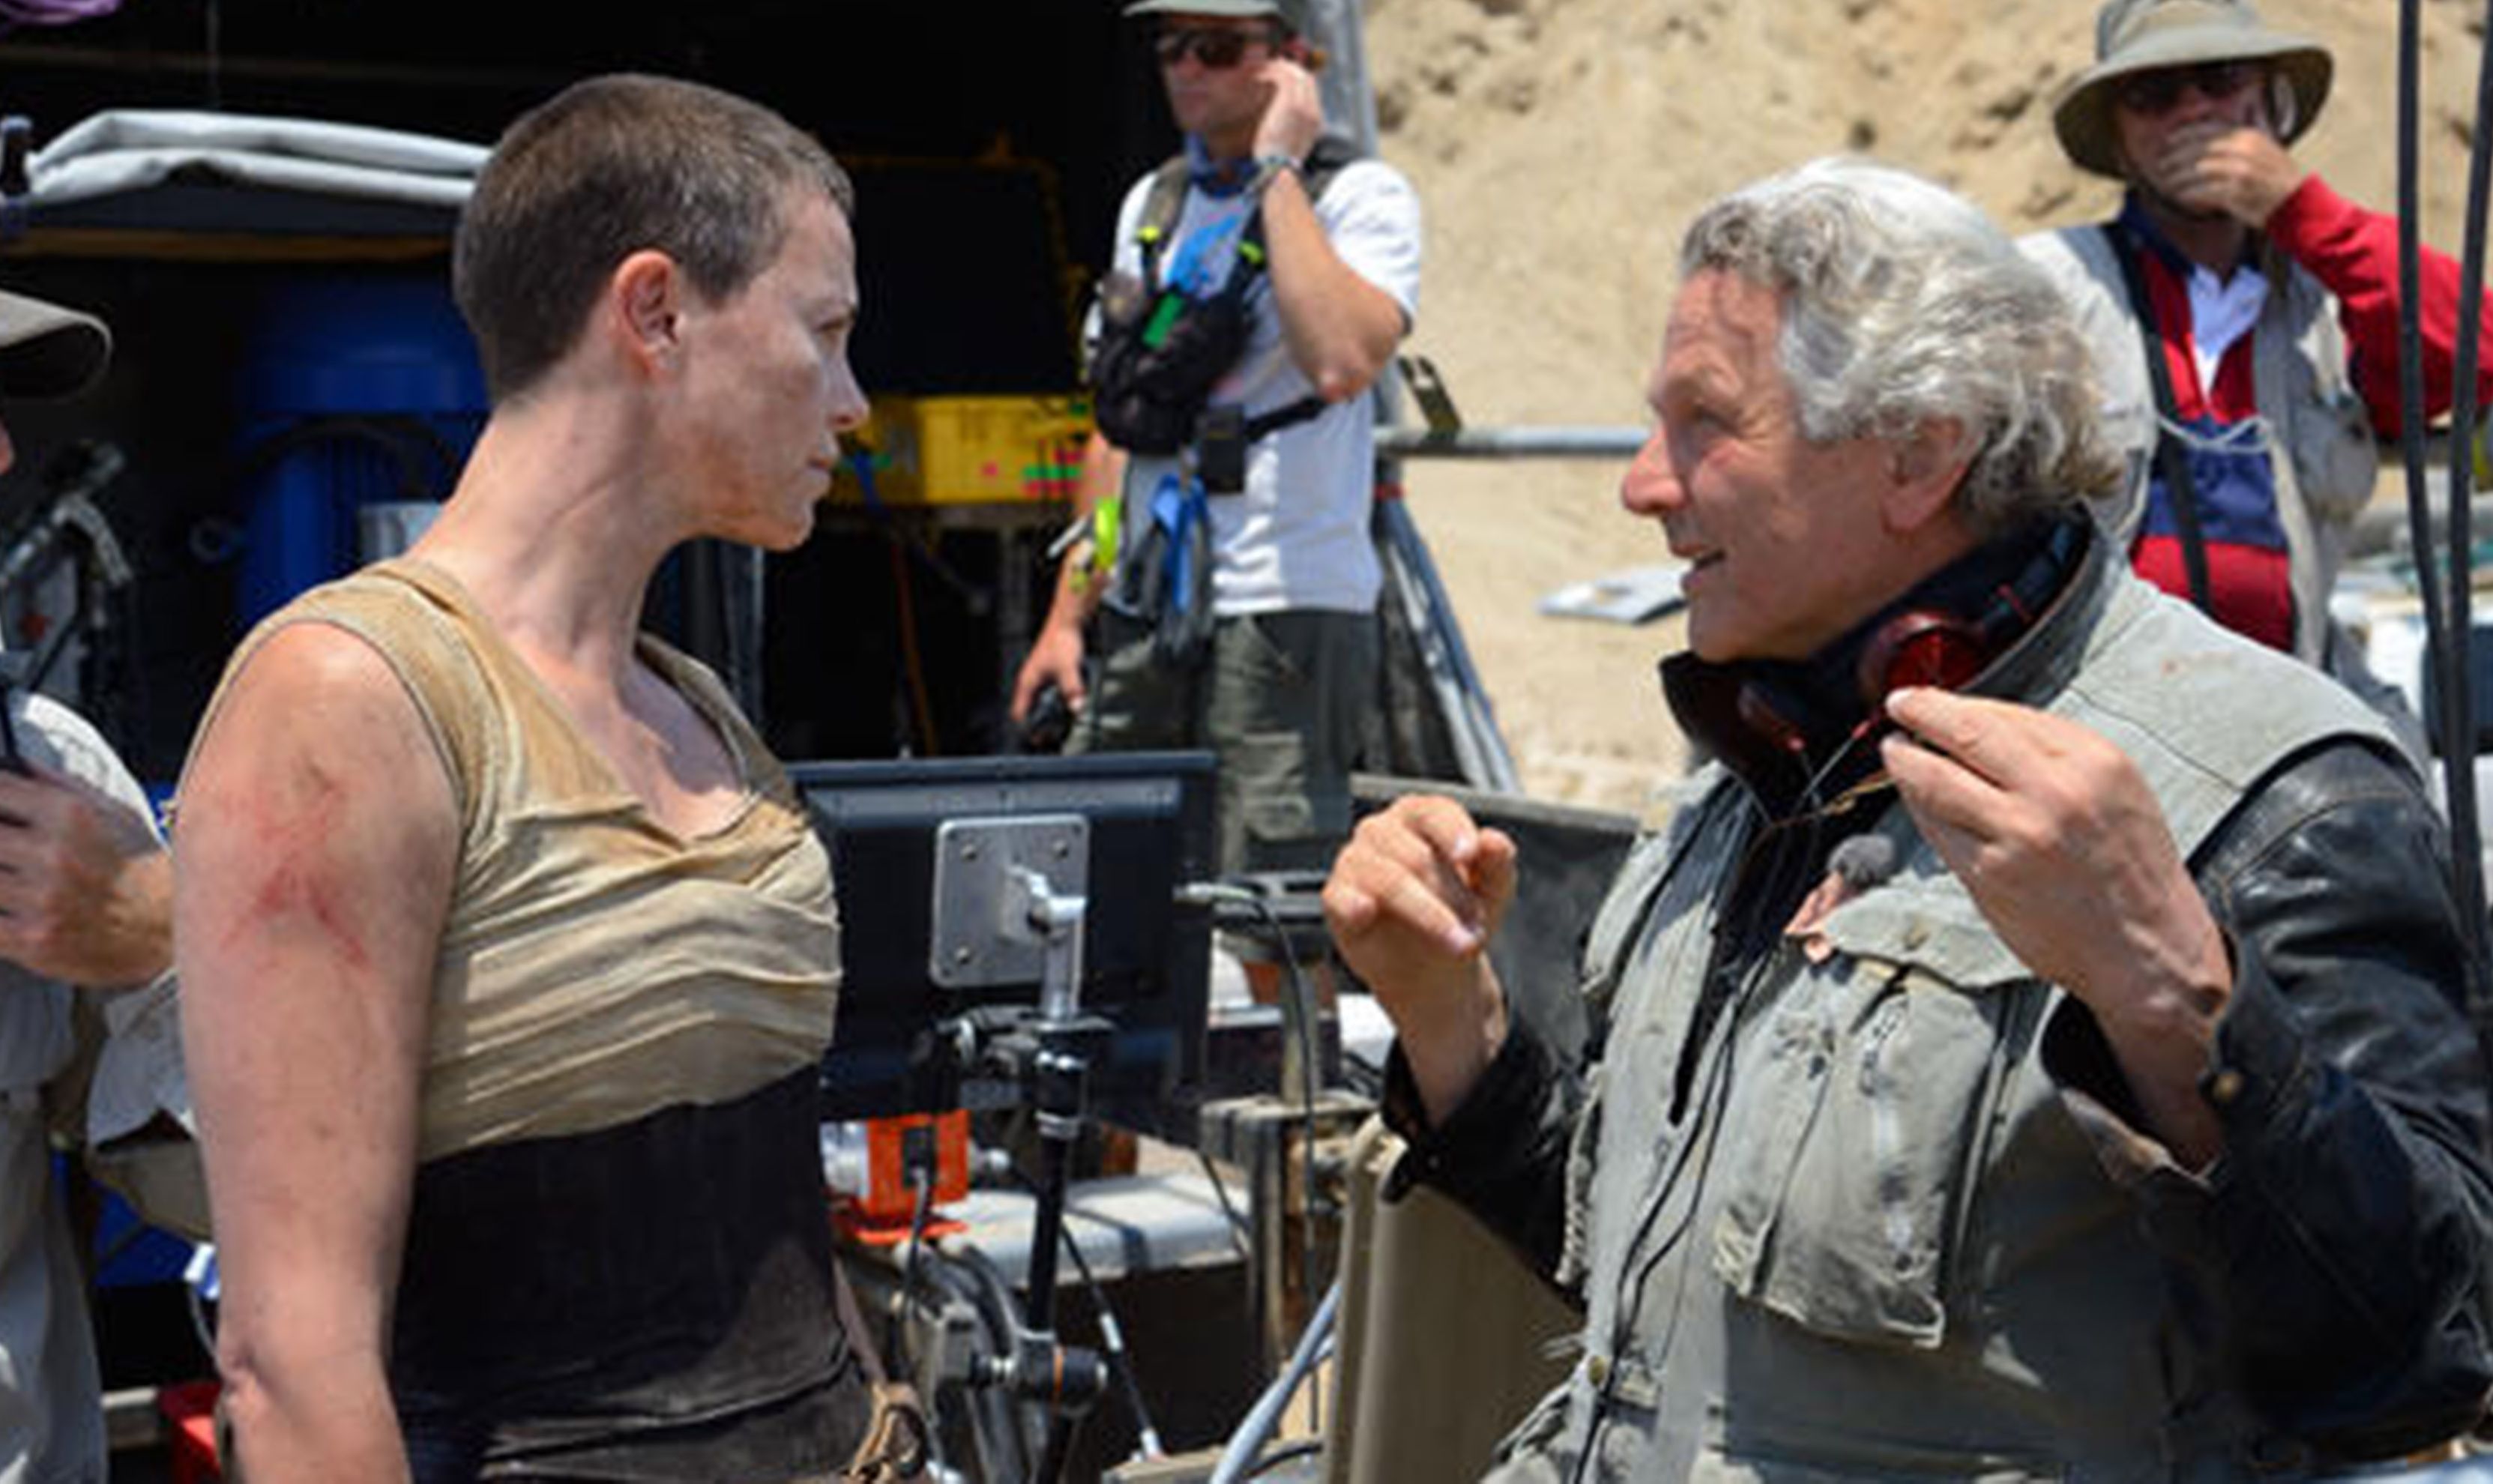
296, 840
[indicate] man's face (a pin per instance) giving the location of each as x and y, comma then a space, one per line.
1785, 537
1213, 68
771, 384
2162, 118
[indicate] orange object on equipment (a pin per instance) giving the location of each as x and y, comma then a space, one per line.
882, 1216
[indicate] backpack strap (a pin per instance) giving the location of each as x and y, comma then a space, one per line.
1332, 151
1325, 161
1165, 202
2172, 460
1316, 174
1160, 211
1286, 415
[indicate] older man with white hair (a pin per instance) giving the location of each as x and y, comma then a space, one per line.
2067, 1078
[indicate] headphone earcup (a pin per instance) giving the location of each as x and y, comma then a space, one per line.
1921, 647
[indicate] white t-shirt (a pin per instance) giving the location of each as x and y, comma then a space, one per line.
1297, 536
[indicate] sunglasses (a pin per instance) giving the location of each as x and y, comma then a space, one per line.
2158, 91
1214, 48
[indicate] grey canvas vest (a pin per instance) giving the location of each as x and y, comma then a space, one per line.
1877, 1243
2304, 394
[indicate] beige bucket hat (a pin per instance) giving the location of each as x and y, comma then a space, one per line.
1292, 14
47, 350
2144, 36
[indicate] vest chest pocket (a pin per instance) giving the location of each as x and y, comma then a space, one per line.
1851, 1151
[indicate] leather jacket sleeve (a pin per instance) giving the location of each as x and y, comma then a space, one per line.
2335, 1254
1502, 1155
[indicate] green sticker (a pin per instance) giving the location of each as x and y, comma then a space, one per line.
1164, 318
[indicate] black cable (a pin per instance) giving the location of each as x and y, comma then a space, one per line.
123, 688
1111, 1334
995, 1297
1121, 1363
1303, 1012
2453, 732
1284, 1454
2466, 832
993, 1427
204, 1325
993, 1415
911, 1272
1238, 1227
1063, 1427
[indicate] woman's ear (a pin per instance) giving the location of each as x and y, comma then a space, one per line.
645, 303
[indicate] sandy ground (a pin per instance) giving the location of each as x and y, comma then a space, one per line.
1560, 146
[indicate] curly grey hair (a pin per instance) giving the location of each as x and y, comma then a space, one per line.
1904, 307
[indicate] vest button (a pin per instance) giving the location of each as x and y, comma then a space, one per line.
2224, 1086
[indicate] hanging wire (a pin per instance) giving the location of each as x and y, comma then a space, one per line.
216, 38
2459, 739
1112, 1338
2410, 400
1238, 1227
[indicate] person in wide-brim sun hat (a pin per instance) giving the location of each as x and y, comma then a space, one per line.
2145, 35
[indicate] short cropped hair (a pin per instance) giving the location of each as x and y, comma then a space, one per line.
606, 168
1903, 305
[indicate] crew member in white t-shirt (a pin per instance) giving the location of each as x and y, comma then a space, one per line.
1285, 670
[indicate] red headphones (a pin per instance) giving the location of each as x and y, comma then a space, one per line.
1921, 647
1917, 647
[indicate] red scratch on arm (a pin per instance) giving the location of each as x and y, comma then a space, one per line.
294, 838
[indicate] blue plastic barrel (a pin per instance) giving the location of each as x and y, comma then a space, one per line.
354, 387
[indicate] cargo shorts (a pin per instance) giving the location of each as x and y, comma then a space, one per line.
1281, 699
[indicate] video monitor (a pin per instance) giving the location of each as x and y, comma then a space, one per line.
1146, 956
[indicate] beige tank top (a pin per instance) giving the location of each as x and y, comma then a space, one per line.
595, 965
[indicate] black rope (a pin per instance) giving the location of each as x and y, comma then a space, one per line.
2467, 861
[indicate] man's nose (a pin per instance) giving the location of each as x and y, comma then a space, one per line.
849, 406
1650, 486
2192, 98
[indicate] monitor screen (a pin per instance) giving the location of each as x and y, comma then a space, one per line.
1146, 958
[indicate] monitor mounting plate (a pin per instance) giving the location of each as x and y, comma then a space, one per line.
984, 931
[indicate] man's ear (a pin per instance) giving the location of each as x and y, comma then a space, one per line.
1924, 469
645, 304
